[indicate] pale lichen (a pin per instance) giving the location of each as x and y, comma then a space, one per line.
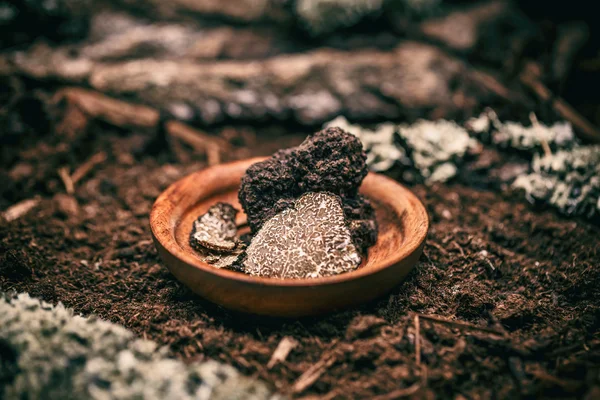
437, 148
48, 352
513, 135
568, 180
431, 150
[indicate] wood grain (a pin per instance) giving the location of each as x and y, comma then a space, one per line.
403, 225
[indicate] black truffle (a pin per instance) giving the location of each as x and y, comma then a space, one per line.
214, 237
331, 160
310, 239
215, 230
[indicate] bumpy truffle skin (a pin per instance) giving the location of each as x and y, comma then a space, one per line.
331, 160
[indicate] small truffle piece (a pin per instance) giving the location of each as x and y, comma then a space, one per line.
225, 260
310, 239
215, 230
331, 160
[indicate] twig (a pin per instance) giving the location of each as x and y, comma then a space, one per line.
16, 211
460, 249
568, 385
483, 254
311, 375
495, 86
115, 112
545, 145
283, 349
87, 166
70, 180
399, 393
587, 130
417, 340
490, 263
460, 324
213, 155
198, 140
65, 177
124, 114
437, 246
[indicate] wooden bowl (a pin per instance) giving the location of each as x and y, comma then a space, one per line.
403, 225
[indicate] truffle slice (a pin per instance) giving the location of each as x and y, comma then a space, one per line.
331, 160
215, 230
310, 239
226, 260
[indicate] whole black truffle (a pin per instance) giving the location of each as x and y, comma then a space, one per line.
331, 160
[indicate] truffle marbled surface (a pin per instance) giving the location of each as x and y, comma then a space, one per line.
310, 239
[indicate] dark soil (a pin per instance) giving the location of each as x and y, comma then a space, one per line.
491, 261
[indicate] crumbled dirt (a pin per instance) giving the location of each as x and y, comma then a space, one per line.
529, 279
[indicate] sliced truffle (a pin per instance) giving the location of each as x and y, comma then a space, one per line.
214, 237
226, 260
331, 160
215, 230
310, 239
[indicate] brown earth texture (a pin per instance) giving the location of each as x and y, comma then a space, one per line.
520, 286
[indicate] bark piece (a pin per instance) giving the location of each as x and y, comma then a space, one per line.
460, 29
311, 88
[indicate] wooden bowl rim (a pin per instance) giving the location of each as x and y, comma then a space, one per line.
162, 209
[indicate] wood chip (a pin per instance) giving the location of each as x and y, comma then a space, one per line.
88, 166
65, 177
311, 375
21, 208
123, 114
285, 346
460, 324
